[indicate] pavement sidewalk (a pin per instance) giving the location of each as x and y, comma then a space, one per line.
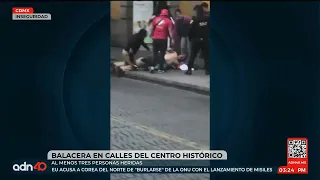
198, 82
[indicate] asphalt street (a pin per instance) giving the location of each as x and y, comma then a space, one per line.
146, 116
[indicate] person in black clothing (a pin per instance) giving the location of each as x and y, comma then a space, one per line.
133, 45
182, 27
199, 37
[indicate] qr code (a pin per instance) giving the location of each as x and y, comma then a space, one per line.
297, 149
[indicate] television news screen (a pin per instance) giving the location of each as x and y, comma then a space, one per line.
150, 90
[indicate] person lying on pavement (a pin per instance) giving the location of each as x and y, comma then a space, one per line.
173, 61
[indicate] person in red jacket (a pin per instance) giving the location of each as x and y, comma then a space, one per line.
161, 31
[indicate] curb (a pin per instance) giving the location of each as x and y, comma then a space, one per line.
178, 85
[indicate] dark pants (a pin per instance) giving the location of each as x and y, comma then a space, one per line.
159, 45
196, 45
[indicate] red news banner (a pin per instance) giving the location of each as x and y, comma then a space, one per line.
297, 157
22, 10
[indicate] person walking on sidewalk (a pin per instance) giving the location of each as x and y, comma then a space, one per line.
161, 30
199, 37
133, 45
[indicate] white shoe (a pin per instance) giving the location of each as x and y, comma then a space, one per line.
151, 69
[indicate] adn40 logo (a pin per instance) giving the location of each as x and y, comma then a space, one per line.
39, 166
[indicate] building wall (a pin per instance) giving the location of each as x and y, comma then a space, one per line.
208, 2
121, 22
187, 6
115, 9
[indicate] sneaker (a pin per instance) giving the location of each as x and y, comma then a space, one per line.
160, 71
151, 69
134, 68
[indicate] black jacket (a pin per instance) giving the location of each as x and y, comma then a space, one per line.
182, 27
134, 43
200, 28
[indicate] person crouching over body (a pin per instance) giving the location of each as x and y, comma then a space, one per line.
128, 53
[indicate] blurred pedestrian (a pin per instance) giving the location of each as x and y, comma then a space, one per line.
160, 32
199, 37
182, 27
133, 45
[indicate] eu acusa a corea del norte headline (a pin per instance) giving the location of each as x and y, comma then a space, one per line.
142, 155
